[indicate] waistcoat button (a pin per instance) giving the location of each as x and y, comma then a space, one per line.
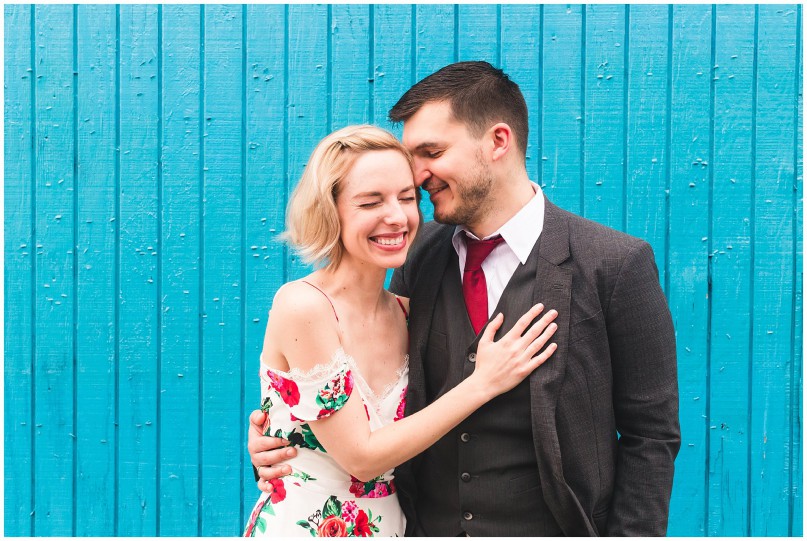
465, 437
465, 477
472, 357
467, 515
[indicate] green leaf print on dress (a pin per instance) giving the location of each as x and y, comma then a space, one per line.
304, 438
339, 519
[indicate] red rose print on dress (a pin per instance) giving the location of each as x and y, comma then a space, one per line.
333, 526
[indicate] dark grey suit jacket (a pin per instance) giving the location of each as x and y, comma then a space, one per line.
605, 405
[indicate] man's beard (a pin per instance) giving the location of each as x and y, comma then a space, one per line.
471, 195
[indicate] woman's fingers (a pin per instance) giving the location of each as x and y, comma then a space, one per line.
492, 328
524, 321
541, 358
539, 342
540, 327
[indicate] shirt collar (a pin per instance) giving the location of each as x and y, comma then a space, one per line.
520, 232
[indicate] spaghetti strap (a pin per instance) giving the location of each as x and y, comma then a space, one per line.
329, 299
400, 303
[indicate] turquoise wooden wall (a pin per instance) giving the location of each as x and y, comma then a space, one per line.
149, 154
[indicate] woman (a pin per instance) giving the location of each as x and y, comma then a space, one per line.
334, 365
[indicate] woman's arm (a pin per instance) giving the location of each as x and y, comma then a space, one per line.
346, 434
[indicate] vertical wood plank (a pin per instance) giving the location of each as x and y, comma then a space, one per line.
392, 63
180, 273
434, 48
648, 116
604, 119
771, 384
689, 228
730, 261
139, 345
434, 45
265, 204
54, 242
18, 169
478, 27
521, 60
562, 115
308, 36
350, 70
797, 396
223, 430
97, 295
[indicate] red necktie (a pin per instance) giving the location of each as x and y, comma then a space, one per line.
474, 286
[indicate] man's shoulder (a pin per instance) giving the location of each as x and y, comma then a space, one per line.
431, 236
588, 236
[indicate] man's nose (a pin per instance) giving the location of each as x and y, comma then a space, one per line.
422, 172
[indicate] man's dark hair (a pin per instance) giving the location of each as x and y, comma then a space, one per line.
479, 95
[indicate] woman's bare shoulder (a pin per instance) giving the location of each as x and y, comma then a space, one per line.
302, 325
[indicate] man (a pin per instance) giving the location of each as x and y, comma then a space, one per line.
585, 445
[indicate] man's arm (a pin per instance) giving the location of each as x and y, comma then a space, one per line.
645, 396
267, 453
398, 283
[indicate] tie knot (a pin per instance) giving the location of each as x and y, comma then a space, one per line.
479, 250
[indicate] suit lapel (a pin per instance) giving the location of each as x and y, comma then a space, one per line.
553, 287
424, 295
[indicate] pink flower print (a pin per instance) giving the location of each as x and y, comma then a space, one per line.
286, 388
348, 383
379, 491
349, 511
356, 487
399, 414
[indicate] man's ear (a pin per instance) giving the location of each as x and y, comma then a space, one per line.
501, 140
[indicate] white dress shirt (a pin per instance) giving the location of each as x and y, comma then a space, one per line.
520, 233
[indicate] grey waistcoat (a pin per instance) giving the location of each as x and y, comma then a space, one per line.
481, 478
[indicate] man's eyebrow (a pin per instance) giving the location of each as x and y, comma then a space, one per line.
426, 145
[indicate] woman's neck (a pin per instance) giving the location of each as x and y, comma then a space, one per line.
359, 285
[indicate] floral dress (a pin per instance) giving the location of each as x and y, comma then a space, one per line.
319, 498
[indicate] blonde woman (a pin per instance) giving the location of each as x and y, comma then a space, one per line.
334, 362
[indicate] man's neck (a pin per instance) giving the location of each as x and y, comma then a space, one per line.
511, 196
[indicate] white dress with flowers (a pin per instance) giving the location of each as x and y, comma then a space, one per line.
319, 498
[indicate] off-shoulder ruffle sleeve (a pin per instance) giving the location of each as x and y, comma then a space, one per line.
314, 394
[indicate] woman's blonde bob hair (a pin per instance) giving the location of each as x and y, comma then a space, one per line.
312, 222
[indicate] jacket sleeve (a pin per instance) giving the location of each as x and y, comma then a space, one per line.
642, 346
398, 283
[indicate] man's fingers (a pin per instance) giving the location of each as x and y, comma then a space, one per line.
268, 473
256, 421
266, 451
